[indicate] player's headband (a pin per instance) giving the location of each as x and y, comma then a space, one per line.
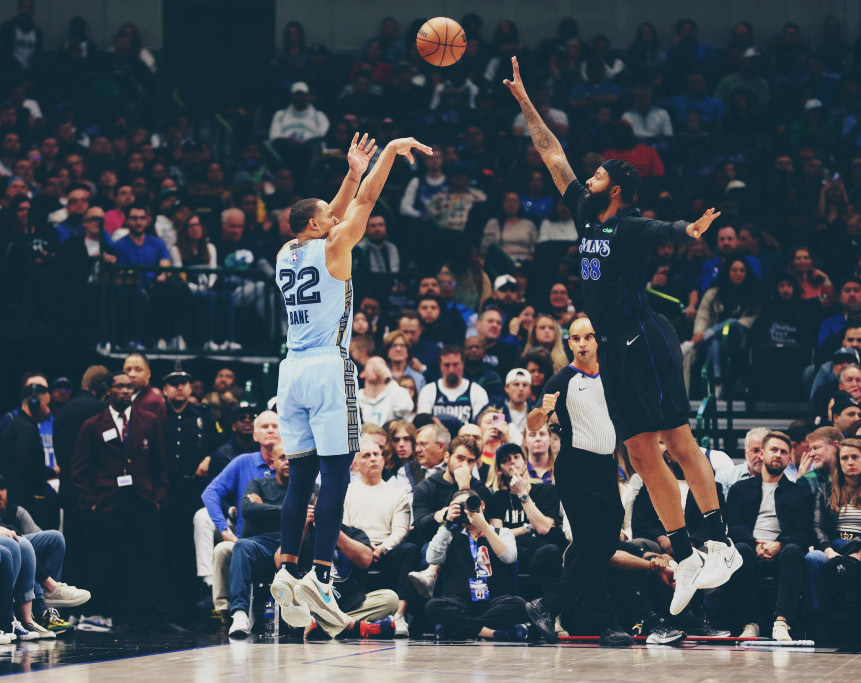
622, 174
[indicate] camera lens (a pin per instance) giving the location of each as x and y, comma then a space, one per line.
473, 503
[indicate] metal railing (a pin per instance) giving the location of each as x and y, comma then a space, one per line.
185, 311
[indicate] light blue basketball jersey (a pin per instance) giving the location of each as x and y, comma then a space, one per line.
319, 306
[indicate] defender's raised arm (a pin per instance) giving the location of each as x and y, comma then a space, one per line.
546, 143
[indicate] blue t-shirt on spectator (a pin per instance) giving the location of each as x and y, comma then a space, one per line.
67, 230
831, 326
233, 479
149, 253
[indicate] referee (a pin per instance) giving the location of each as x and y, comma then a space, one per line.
585, 474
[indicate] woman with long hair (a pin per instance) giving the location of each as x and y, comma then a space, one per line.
396, 348
814, 283
735, 299
539, 452
399, 450
787, 319
546, 334
194, 250
645, 53
133, 34
539, 366
836, 516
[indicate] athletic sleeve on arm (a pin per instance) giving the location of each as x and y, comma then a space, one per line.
650, 231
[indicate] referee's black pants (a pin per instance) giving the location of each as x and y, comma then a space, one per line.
589, 493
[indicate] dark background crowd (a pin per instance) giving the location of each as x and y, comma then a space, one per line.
469, 271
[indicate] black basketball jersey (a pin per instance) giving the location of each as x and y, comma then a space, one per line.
614, 260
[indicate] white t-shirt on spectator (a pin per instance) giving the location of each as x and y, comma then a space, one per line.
381, 511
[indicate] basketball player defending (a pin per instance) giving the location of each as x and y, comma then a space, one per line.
638, 350
317, 410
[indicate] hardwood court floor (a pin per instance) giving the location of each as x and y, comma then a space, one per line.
417, 661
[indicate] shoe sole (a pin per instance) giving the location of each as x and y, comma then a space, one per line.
77, 602
620, 643
420, 586
549, 636
677, 607
667, 641
239, 635
296, 616
323, 611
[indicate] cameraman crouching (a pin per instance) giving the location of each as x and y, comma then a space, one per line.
477, 561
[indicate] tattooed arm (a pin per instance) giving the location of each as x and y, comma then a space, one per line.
546, 143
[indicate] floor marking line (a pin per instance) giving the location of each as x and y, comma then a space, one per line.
352, 654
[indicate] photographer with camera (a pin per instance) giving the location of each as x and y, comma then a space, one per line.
477, 598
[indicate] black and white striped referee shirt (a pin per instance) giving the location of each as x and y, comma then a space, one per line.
582, 411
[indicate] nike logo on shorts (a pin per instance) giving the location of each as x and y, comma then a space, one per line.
631, 341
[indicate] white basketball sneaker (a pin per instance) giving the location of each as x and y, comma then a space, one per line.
722, 560
320, 599
293, 611
686, 577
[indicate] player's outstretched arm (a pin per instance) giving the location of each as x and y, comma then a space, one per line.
546, 143
349, 231
358, 157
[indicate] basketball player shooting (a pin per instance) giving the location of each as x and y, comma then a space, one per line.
639, 351
317, 410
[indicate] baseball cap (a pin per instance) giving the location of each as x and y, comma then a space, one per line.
299, 86
506, 450
176, 377
516, 374
751, 52
61, 382
846, 355
842, 401
242, 409
503, 280
813, 103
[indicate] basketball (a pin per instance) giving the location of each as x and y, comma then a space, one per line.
441, 41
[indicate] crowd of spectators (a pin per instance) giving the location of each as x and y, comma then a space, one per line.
177, 489
465, 284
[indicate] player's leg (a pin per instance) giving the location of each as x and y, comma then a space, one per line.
298, 442
334, 422
648, 461
699, 475
722, 558
646, 457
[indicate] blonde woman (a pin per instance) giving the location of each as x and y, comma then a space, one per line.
545, 334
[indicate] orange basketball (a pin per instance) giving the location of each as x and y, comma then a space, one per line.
441, 41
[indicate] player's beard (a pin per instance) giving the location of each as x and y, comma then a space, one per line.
595, 203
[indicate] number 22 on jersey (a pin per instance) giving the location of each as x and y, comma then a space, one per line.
307, 278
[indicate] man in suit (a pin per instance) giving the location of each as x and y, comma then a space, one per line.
770, 520
119, 471
67, 426
144, 397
